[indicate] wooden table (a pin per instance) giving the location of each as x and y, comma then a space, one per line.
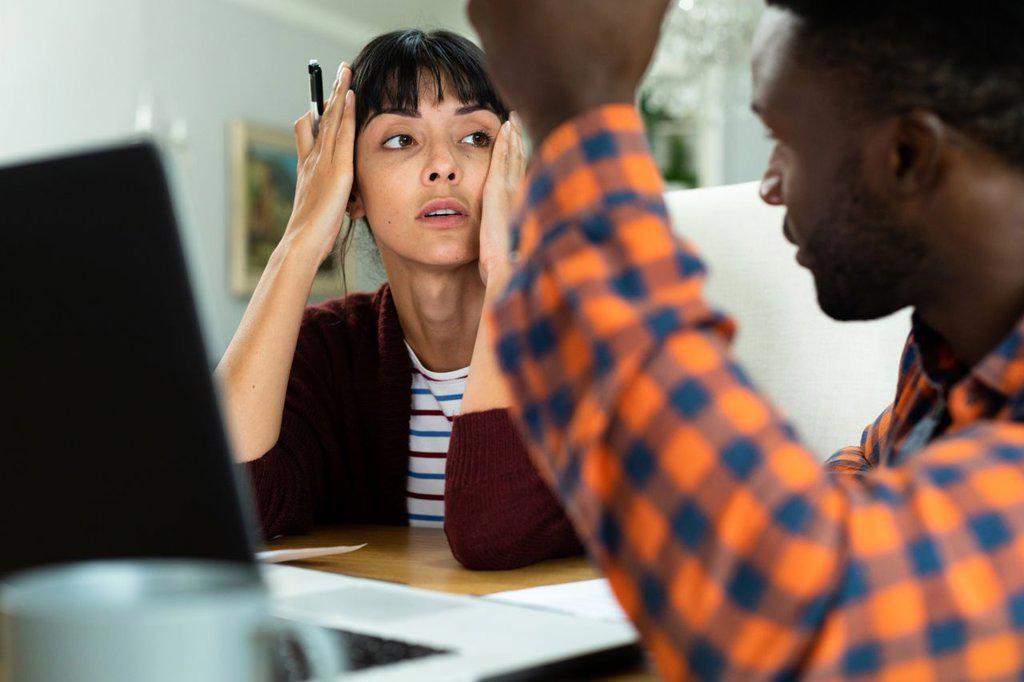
420, 557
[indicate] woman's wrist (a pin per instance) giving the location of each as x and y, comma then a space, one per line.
296, 252
498, 275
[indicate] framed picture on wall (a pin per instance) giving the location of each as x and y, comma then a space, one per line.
262, 174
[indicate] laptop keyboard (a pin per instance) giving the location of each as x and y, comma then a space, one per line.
359, 650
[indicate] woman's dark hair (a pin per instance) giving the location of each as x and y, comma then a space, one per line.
390, 70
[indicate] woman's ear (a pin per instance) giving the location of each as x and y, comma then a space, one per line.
355, 208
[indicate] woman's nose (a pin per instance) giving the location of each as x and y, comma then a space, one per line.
442, 168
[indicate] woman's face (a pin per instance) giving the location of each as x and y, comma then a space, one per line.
411, 164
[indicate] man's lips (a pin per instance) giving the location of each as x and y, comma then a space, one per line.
787, 231
446, 213
801, 257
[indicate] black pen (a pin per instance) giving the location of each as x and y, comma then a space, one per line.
316, 94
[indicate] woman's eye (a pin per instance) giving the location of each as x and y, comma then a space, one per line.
398, 141
478, 139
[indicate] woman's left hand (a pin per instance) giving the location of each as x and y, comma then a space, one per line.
505, 174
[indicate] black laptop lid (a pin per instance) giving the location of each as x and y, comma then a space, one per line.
111, 443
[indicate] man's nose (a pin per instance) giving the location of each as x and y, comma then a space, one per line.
771, 182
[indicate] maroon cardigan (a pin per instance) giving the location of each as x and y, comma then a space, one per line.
343, 452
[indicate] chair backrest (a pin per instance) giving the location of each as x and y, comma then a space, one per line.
830, 378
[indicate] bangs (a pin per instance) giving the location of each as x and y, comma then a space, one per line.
391, 70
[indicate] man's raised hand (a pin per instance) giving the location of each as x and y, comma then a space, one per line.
555, 59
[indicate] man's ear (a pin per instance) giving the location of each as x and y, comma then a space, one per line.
918, 150
355, 207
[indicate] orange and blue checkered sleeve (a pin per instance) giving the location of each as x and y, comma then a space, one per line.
730, 547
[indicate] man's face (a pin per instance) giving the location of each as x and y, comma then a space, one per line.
866, 262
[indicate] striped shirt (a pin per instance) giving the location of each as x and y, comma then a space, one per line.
436, 401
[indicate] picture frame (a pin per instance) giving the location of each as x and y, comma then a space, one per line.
263, 169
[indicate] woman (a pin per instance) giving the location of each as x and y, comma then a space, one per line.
389, 407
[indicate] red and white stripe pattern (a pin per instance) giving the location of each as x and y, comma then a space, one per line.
436, 400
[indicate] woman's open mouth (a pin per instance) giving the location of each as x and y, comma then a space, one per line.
444, 213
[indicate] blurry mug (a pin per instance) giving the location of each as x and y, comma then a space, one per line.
148, 621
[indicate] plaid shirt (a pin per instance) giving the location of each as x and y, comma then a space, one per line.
733, 550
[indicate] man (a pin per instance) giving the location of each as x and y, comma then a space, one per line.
900, 159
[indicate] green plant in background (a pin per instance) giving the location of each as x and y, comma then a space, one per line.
669, 141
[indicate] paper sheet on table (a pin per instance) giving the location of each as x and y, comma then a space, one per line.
278, 556
587, 598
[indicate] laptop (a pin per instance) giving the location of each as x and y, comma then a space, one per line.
113, 444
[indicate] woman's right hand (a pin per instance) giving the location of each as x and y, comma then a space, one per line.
325, 171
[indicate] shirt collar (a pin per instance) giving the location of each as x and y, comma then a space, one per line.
1002, 370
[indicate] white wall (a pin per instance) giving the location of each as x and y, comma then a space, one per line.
63, 70
745, 146
75, 74
731, 144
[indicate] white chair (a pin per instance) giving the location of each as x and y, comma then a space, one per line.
830, 378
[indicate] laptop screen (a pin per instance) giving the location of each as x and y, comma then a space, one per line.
111, 442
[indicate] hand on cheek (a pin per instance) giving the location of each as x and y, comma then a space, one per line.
504, 175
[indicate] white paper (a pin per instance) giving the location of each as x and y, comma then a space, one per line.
586, 598
278, 556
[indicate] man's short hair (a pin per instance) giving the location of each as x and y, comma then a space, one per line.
964, 61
